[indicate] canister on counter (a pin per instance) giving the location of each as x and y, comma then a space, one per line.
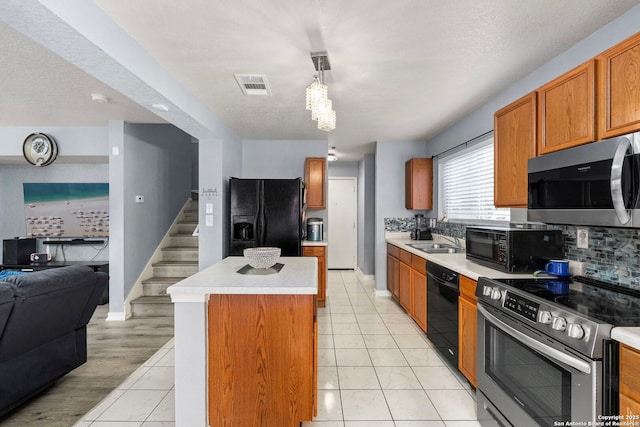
315, 229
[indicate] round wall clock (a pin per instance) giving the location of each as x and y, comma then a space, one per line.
40, 149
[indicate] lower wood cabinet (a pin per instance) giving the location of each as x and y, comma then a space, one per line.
393, 271
405, 286
262, 359
467, 329
407, 282
419, 300
319, 252
629, 381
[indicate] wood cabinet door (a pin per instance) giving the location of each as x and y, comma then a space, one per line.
629, 372
315, 179
418, 183
467, 339
619, 89
629, 408
405, 287
514, 143
468, 288
261, 360
393, 276
419, 301
320, 252
566, 110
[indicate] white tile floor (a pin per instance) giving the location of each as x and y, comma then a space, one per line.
375, 369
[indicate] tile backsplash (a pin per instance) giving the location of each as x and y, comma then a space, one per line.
613, 255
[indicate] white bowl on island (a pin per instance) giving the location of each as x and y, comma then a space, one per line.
262, 257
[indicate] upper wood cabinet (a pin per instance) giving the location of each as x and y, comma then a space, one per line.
619, 89
514, 143
315, 179
418, 186
566, 110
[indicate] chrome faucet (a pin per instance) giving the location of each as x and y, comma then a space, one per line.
454, 240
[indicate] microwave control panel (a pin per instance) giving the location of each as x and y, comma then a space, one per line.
502, 249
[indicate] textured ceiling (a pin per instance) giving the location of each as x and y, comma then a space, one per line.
38, 88
401, 70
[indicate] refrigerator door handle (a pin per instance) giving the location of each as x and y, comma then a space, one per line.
261, 234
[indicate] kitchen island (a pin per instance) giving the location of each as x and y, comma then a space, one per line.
245, 345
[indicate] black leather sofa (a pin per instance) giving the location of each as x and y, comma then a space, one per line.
43, 336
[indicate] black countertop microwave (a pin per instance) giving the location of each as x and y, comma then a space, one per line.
513, 249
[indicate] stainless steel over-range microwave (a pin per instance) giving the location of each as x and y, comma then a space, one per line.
592, 184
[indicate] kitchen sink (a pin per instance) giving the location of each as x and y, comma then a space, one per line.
436, 248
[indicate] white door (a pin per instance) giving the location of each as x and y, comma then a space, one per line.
341, 233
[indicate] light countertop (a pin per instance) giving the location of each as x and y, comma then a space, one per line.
456, 262
298, 276
314, 243
627, 335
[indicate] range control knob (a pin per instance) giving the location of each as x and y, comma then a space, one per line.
496, 294
559, 323
545, 317
575, 331
486, 290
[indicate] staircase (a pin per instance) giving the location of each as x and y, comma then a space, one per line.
179, 261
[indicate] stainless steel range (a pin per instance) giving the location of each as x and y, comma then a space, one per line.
544, 349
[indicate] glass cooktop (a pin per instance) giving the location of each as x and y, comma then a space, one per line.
600, 301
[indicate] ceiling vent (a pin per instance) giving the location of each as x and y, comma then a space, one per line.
253, 84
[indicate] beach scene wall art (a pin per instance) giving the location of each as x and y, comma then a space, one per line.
72, 210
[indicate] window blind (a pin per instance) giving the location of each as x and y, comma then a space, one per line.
467, 185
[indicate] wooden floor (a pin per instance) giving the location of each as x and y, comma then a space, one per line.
115, 350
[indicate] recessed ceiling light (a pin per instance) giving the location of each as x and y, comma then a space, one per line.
99, 98
160, 107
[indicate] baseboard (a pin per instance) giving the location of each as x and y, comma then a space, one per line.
364, 278
382, 293
116, 316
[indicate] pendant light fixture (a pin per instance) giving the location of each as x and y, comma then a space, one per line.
317, 99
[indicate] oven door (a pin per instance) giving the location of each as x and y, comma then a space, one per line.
524, 379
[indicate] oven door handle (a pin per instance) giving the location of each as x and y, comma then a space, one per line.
550, 352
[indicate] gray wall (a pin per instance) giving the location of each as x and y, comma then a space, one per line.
153, 161
12, 210
366, 214
82, 157
281, 159
342, 169
389, 194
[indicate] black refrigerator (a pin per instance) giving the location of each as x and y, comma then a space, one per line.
266, 212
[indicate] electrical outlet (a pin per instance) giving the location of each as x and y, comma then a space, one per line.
582, 238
